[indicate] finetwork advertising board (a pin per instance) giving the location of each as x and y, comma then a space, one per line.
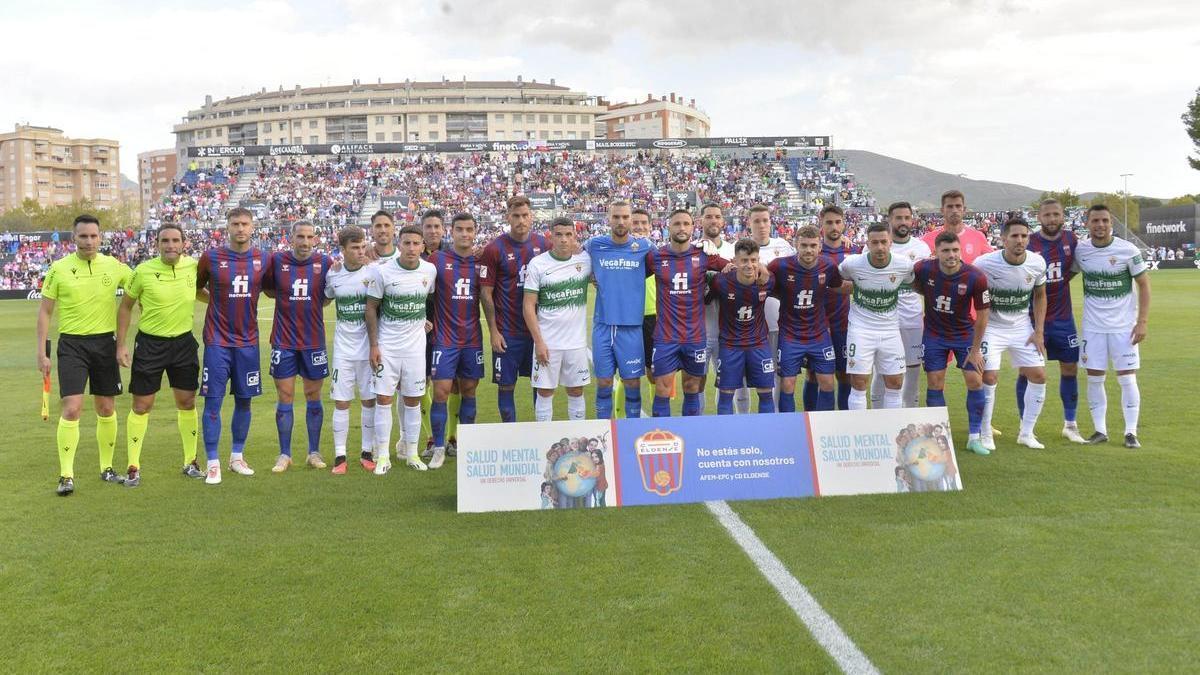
678, 460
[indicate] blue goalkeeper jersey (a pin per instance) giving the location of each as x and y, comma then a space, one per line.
620, 272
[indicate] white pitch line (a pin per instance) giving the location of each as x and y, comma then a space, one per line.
822, 626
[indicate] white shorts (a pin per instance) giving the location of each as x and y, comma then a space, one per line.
405, 370
882, 351
913, 338
1100, 349
567, 367
998, 340
350, 375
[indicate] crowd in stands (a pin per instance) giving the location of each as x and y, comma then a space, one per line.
326, 193
196, 199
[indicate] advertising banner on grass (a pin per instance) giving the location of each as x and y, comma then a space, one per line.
677, 460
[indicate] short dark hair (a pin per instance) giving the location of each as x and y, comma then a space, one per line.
516, 202
1096, 207
953, 194
562, 221
877, 227
350, 234
807, 232
899, 205
433, 213
759, 208
676, 212
411, 229
944, 237
385, 214
710, 205
239, 211
617, 203
1049, 202
830, 209
462, 216
85, 218
639, 211
746, 245
1014, 221
170, 226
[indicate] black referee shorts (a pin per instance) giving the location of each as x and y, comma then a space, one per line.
88, 360
648, 324
153, 355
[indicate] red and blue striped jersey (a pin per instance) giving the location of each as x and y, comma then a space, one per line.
299, 287
234, 281
837, 306
803, 293
1060, 256
949, 297
743, 310
679, 282
502, 266
455, 313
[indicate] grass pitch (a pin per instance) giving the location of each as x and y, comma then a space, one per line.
1067, 559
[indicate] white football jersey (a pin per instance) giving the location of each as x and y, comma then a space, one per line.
875, 302
1109, 303
402, 294
775, 248
349, 290
561, 288
912, 304
1011, 286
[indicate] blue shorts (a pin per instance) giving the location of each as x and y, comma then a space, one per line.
618, 348
818, 357
310, 364
838, 338
238, 365
1062, 341
937, 351
745, 366
669, 357
516, 361
449, 363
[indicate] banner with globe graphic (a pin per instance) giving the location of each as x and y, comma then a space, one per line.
676, 460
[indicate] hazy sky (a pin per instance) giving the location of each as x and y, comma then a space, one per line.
1047, 94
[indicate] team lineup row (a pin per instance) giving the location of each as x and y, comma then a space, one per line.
409, 311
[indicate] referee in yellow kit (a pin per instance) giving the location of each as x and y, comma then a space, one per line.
165, 287
83, 285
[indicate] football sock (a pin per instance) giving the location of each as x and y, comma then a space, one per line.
1022, 383
825, 399
135, 433
633, 401
314, 419
284, 418
412, 428
766, 403
453, 410
604, 402
577, 407
741, 401
106, 438
438, 412
935, 398
1131, 401
787, 402
1098, 403
857, 400
843, 394
976, 402
466, 411
383, 429
68, 442
239, 429
724, 402
186, 421
692, 404
911, 393
662, 406
543, 408
1035, 398
891, 398
989, 404
809, 395
1068, 390
368, 428
878, 387
507, 405
341, 430
212, 426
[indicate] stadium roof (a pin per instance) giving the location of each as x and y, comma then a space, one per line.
440, 85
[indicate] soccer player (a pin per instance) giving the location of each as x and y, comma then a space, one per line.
457, 336
744, 357
873, 338
433, 228
640, 229
618, 262
83, 285
1016, 277
165, 288
296, 279
801, 283
555, 308
972, 242
1057, 246
837, 307
679, 268
232, 275
758, 225
951, 289
1114, 321
383, 235
900, 218
502, 278
396, 328
349, 286
712, 237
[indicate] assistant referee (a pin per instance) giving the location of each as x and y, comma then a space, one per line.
165, 287
83, 285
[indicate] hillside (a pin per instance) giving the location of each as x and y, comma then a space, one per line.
893, 180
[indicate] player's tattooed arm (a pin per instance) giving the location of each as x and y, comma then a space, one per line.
1038, 338
371, 318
